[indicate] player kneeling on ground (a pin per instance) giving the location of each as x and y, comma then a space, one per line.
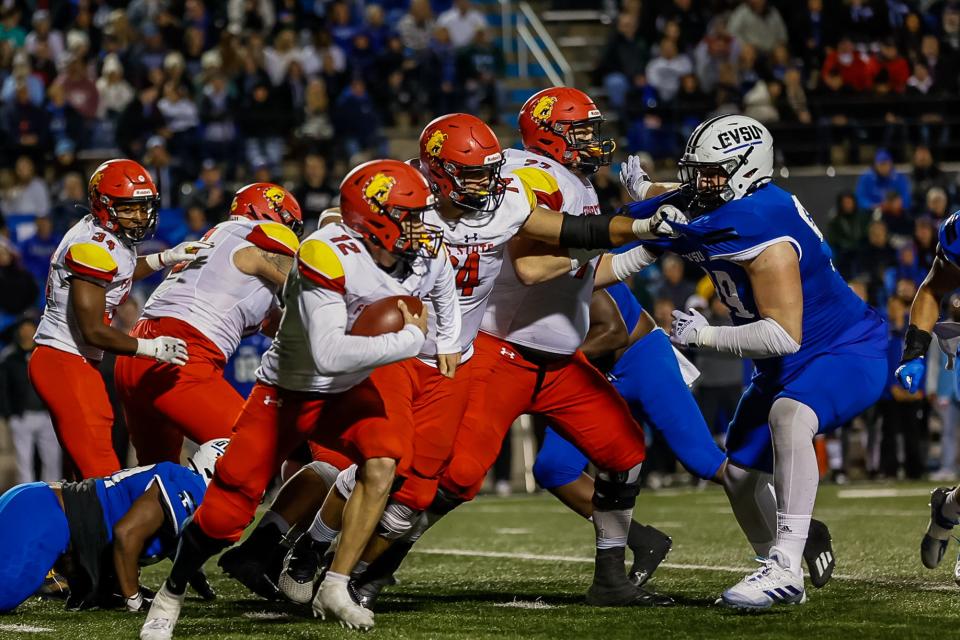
132, 517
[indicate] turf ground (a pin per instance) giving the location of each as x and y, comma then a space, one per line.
518, 567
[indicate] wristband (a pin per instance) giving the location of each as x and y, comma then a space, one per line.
643, 188
916, 343
630, 262
154, 261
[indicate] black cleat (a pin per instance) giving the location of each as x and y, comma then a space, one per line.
366, 594
650, 547
248, 563
818, 553
611, 588
301, 567
932, 548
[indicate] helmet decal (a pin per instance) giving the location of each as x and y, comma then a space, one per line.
544, 108
274, 195
377, 190
435, 143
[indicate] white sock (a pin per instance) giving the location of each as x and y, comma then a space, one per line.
272, 517
792, 537
612, 527
334, 578
754, 505
320, 532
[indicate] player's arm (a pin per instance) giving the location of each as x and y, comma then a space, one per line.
775, 280
271, 267
617, 267
130, 535
183, 252
446, 304
608, 332
535, 262
638, 184
944, 277
595, 232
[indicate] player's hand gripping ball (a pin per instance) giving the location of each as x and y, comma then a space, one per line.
384, 316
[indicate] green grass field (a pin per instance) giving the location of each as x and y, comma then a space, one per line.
518, 567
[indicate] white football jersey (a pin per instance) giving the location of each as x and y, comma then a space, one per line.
551, 316
91, 252
333, 258
212, 295
477, 244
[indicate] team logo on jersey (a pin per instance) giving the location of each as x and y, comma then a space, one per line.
435, 143
275, 196
544, 108
377, 190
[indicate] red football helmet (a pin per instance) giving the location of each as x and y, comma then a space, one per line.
384, 201
564, 124
461, 156
267, 201
115, 189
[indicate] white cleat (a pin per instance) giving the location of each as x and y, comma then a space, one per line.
773, 583
162, 617
333, 598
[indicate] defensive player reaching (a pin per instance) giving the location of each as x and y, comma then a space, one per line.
91, 274
315, 380
943, 278
818, 349
99, 532
209, 304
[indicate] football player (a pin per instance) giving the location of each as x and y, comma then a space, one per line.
91, 274
209, 304
99, 532
943, 278
315, 379
818, 350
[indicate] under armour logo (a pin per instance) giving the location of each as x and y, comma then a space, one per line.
269, 400
507, 352
471, 237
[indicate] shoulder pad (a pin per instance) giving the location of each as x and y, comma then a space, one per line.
275, 238
318, 263
541, 187
91, 261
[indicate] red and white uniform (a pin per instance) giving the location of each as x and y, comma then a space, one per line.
211, 305
315, 378
527, 357
63, 369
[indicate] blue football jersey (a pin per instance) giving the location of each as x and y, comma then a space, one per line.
627, 303
833, 316
241, 370
181, 491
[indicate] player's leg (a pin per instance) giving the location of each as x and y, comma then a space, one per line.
27, 553
270, 426
589, 412
200, 402
73, 391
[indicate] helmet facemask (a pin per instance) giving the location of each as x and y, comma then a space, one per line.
417, 238
586, 148
477, 188
711, 183
123, 209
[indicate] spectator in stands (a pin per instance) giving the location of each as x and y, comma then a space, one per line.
416, 26
165, 175
114, 91
847, 232
64, 122
882, 177
210, 195
64, 161
322, 54
874, 261
356, 121
479, 66
812, 28
690, 105
895, 65
942, 66
252, 15
36, 251
438, 74
793, 105
721, 376
10, 29
623, 58
663, 309
924, 242
937, 204
316, 127
855, 67
316, 192
756, 23
865, 20
29, 193
263, 119
72, 196
217, 108
950, 28
926, 174
79, 89
25, 124
665, 71
17, 284
277, 57
43, 34
689, 17
22, 73
183, 122
30, 425
674, 286
760, 101
375, 27
716, 50
193, 52
462, 21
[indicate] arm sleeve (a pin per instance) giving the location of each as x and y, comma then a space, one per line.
762, 339
446, 304
334, 352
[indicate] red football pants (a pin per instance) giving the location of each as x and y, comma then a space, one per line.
579, 401
73, 390
428, 409
164, 402
272, 423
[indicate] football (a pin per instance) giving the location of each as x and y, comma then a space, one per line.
383, 316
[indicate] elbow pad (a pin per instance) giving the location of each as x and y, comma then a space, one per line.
586, 232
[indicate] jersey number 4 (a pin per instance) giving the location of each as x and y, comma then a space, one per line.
468, 272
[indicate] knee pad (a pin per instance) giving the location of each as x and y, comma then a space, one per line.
326, 471
616, 490
346, 481
444, 502
397, 520
792, 423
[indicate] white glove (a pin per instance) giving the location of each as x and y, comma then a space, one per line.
163, 349
183, 252
634, 179
658, 225
684, 328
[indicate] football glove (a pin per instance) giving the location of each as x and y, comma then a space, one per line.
910, 374
634, 179
684, 328
163, 349
183, 252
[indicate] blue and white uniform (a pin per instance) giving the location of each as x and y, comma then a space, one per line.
648, 377
34, 531
840, 369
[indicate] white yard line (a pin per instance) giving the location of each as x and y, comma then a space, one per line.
883, 493
24, 628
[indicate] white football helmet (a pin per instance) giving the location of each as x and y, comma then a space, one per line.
738, 148
204, 458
